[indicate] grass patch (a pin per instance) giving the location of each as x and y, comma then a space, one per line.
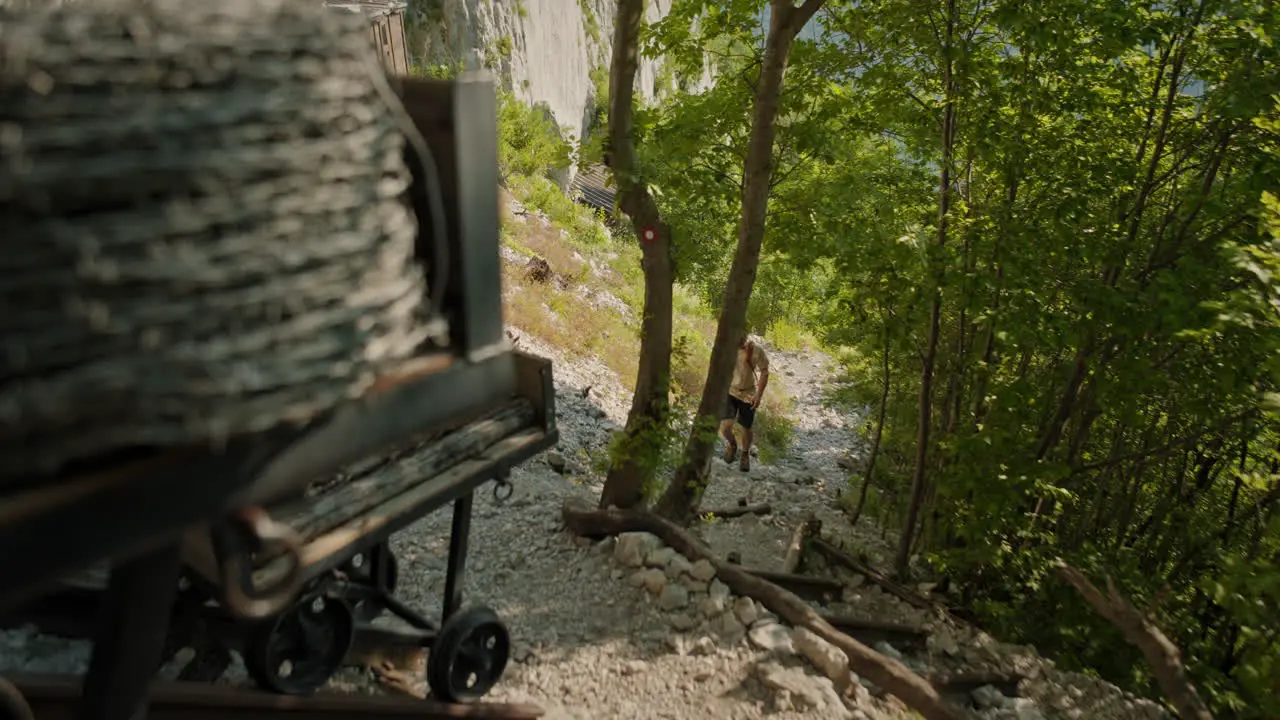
565, 316
580, 222
565, 319
774, 427
786, 335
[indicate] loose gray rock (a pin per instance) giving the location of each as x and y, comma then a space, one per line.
987, 697
678, 566
727, 626
632, 548
711, 606
673, 597
651, 579
744, 609
692, 584
772, 637
557, 462
703, 646
659, 557
829, 659
804, 690
683, 622
579, 623
703, 570
718, 589
888, 650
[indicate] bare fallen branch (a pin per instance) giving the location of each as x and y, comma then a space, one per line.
739, 511
838, 556
805, 586
963, 683
870, 632
888, 673
795, 546
1163, 656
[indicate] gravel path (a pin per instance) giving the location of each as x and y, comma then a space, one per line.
623, 630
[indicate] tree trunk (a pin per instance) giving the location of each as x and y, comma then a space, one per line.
1163, 656
925, 420
680, 501
383, 478
624, 486
875, 440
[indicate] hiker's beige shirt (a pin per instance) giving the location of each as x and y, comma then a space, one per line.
744, 373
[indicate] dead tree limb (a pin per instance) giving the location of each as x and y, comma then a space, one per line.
963, 683
805, 586
870, 632
838, 556
1138, 630
886, 672
795, 547
739, 511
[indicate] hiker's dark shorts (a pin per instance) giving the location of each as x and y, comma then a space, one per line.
739, 409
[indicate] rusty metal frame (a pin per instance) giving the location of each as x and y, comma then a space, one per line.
134, 515
127, 511
137, 605
57, 698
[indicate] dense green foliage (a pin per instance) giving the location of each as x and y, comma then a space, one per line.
1107, 273
1105, 383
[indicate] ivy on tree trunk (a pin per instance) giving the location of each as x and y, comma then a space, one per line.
631, 467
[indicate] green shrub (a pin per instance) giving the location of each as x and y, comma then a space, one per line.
529, 142
774, 432
442, 71
789, 335
542, 194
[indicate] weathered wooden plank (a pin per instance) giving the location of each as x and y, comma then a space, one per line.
810, 588
870, 632
402, 470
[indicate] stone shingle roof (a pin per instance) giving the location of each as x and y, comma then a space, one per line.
372, 8
591, 187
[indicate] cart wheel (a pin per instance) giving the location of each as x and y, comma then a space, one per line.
469, 655
296, 652
362, 568
12, 705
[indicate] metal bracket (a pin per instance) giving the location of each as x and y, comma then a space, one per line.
502, 489
247, 534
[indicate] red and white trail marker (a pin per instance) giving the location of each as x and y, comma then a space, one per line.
649, 236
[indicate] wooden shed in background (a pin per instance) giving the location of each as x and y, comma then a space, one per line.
386, 23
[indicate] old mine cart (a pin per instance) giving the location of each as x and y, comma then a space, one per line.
253, 328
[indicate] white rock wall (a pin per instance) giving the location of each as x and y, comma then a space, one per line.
551, 53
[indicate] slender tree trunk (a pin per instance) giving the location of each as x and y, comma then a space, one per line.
680, 501
624, 487
925, 420
875, 440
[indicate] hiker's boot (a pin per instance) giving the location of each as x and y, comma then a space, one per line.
730, 453
744, 464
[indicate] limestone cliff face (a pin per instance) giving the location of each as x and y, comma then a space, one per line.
545, 51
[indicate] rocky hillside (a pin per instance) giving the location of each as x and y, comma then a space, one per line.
628, 629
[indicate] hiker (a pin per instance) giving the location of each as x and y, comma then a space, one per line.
750, 376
